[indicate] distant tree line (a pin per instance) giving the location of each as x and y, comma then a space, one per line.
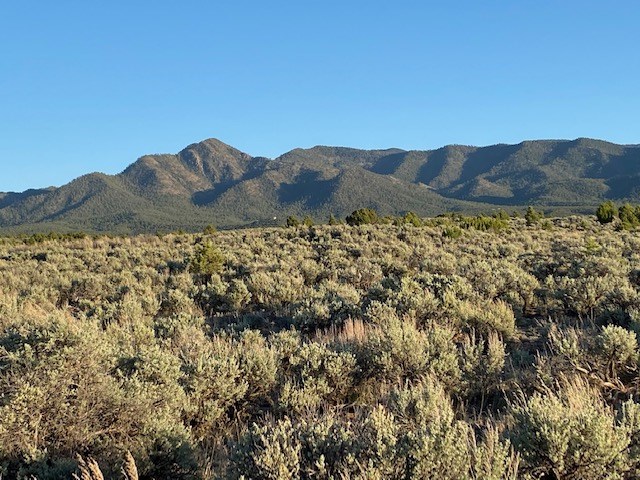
368, 216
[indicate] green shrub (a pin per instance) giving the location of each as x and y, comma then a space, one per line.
396, 350
412, 219
482, 363
333, 220
292, 221
501, 215
452, 232
484, 223
627, 215
532, 216
415, 436
363, 216
619, 349
316, 375
209, 230
570, 434
207, 259
215, 384
606, 212
69, 383
486, 317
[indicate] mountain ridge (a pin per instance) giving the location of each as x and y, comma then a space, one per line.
213, 182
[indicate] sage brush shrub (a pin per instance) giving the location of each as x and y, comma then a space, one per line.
571, 433
397, 350
315, 375
414, 435
390, 349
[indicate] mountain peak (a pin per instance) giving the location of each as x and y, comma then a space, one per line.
211, 143
215, 160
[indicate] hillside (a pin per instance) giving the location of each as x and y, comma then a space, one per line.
211, 182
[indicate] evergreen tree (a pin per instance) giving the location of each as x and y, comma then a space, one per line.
292, 221
606, 212
533, 216
363, 216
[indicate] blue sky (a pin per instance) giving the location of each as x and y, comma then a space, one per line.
90, 86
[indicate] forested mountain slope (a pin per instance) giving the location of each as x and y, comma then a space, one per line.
211, 182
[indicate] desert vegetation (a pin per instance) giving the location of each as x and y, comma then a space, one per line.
455, 347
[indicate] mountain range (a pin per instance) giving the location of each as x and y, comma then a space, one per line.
213, 183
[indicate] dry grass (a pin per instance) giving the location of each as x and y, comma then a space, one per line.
129, 468
89, 469
352, 331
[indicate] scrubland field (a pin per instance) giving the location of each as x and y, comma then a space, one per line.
463, 348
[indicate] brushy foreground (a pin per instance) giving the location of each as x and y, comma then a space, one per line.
327, 352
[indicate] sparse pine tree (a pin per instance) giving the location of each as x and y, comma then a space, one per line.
606, 212
628, 217
363, 216
412, 219
207, 259
532, 216
292, 221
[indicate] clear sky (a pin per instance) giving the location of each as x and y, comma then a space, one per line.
90, 85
